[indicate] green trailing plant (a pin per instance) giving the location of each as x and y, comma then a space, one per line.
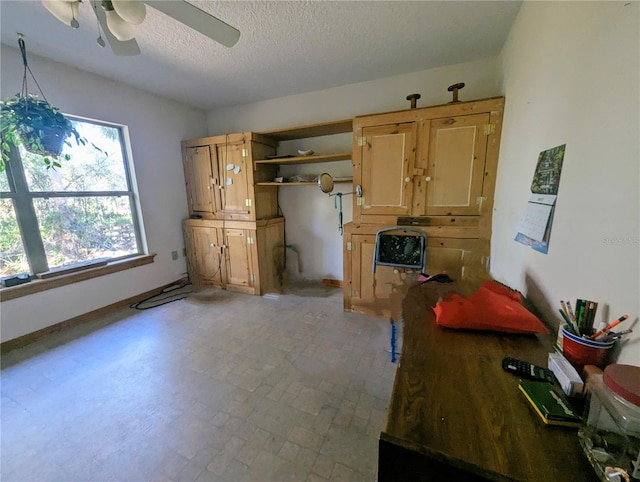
34, 123
40, 127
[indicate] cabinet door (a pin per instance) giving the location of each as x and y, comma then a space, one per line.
462, 259
204, 255
239, 259
373, 293
236, 201
199, 171
455, 169
387, 157
381, 294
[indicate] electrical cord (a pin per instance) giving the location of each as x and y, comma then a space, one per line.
160, 299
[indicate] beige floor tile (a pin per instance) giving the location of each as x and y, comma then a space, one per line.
218, 386
323, 466
305, 438
341, 473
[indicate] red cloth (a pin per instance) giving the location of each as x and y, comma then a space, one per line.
493, 307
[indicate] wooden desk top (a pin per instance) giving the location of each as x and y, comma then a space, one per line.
453, 402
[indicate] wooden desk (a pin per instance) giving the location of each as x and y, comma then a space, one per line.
455, 415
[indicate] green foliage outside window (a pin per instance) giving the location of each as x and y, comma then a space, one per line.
84, 209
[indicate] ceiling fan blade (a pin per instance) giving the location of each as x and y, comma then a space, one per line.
199, 20
126, 48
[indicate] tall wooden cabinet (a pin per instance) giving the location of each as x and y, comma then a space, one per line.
431, 168
239, 256
220, 177
234, 238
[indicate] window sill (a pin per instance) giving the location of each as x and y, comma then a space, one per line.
37, 286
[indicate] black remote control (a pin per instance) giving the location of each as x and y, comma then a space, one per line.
527, 370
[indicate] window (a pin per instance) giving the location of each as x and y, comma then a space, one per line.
83, 212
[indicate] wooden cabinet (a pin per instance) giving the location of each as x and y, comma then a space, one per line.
461, 258
203, 197
239, 256
220, 177
234, 238
234, 235
431, 161
432, 168
203, 255
455, 165
386, 169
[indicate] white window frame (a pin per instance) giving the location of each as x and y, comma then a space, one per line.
23, 202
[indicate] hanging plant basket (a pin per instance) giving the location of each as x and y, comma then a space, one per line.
40, 127
28, 120
52, 140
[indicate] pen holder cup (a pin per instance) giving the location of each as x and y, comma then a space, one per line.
580, 351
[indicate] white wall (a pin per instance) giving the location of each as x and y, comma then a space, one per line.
156, 127
311, 220
571, 75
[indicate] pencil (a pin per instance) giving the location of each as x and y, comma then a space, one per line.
571, 315
571, 326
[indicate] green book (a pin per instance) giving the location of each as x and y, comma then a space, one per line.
551, 404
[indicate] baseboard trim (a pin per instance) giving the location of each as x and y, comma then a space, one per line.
332, 282
29, 338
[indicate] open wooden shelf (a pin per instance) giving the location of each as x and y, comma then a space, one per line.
312, 130
309, 183
342, 156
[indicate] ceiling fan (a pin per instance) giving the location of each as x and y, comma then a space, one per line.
118, 20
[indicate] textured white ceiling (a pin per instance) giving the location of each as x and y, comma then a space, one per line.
285, 48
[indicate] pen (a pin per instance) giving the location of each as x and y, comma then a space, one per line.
564, 308
611, 325
615, 335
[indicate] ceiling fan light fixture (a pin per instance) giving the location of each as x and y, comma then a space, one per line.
132, 11
120, 29
65, 11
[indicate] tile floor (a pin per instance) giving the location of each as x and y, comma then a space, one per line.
218, 386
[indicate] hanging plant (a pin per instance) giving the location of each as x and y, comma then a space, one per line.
28, 120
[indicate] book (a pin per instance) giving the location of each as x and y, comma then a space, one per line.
550, 403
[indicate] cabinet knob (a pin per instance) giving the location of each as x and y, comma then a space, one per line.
407, 179
428, 178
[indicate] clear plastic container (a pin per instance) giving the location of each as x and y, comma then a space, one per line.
610, 435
